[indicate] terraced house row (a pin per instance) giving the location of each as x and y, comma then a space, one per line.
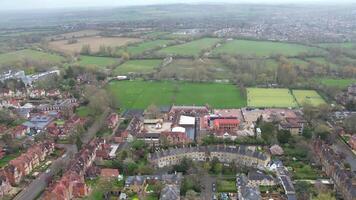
22, 166
226, 154
345, 180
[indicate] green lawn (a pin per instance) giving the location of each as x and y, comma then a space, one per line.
308, 96
340, 83
347, 45
82, 111
7, 158
137, 67
96, 62
28, 54
189, 69
140, 48
262, 48
140, 94
193, 48
270, 98
226, 186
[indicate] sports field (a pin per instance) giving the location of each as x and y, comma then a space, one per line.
96, 62
262, 48
19, 56
137, 67
270, 98
140, 94
193, 48
308, 96
140, 48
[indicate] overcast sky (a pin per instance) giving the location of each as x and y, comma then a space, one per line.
41, 4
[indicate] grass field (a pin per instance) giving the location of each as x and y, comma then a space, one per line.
93, 61
28, 54
262, 48
95, 42
340, 83
322, 61
140, 94
299, 62
187, 68
140, 48
308, 96
226, 186
270, 98
82, 33
347, 45
193, 48
137, 66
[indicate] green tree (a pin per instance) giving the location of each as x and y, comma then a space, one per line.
283, 136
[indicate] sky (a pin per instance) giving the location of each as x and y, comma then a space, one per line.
55, 4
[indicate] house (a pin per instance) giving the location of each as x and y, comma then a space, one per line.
170, 192
20, 131
5, 186
175, 137
226, 125
294, 125
109, 173
244, 191
257, 178
352, 141
38, 122
112, 120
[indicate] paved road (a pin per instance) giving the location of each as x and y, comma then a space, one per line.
340, 146
207, 182
39, 184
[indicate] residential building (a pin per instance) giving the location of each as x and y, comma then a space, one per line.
170, 192
112, 120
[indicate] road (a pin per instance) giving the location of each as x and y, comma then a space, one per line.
40, 183
207, 182
340, 146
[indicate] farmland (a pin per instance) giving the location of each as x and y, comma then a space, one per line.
346, 45
82, 33
140, 94
193, 48
96, 62
146, 46
267, 97
190, 69
28, 54
262, 48
340, 83
137, 66
95, 42
308, 96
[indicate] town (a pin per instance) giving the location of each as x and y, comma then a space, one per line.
180, 108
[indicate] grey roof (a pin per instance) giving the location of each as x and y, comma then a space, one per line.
170, 192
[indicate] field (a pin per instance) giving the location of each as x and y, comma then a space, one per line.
83, 33
226, 186
299, 62
137, 66
340, 83
187, 69
95, 42
308, 96
347, 45
262, 48
140, 48
193, 48
322, 61
140, 94
267, 97
20, 56
96, 62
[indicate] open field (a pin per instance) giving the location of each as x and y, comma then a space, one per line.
322, 61
31, 55
82, 33
308, 96
226, 186
262, 48
270, 98
96, 62
340, 83
193, 48
137, 67
140, 48
188, 69
95, 42
140, 94
299, 62
346, 45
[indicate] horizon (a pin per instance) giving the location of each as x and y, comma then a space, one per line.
28, 5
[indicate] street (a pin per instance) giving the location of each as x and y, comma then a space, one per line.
207, 182
39, 184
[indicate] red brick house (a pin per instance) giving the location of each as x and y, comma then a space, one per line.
226, 125
109, 173
112, 120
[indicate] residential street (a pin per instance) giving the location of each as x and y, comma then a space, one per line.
340, 146
207, 182
39, 184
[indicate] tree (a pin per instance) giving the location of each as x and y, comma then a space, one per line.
283, 136
324, 196
191, 195
322, 131
286, 74
183, 166
79, 142
350, 123
85, 50
125, 56
153, 111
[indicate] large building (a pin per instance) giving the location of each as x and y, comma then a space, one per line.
239, 154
